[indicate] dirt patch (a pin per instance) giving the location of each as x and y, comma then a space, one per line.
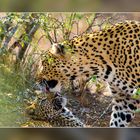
95, 110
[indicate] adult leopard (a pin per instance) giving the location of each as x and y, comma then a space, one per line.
112, 54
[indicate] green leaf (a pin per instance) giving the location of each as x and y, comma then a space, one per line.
79, 16
138, 91
26, 38
136, 94
22, 44
137, 111
94, 78
89, 19
106, 25
50, 60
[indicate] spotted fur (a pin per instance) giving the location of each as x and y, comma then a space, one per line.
113, 55
54, 111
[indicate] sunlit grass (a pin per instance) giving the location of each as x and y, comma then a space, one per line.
12, 86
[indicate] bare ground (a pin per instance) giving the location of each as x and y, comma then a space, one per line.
95, 110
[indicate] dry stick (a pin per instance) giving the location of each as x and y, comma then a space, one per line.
55, 38
72, 17
90, 26
40, 39
66, 35
61, 17
62, 26
104, 112
77, 28
50, 38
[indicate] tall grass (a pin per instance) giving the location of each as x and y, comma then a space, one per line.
12, 87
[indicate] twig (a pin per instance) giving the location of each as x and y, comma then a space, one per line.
50, 38
40, 38
105, 111
55, 38
91, 25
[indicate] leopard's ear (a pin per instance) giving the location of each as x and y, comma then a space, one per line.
57, 49
61, 48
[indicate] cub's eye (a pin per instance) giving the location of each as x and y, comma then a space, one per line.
52, 83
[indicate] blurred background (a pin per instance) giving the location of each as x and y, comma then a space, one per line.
70, 5
70, 134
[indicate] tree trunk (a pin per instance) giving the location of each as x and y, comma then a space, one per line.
30, 31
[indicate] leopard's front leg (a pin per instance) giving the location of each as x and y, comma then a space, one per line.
123, 110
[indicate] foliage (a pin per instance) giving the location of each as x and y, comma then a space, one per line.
136, 93
12, 86
94, 78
